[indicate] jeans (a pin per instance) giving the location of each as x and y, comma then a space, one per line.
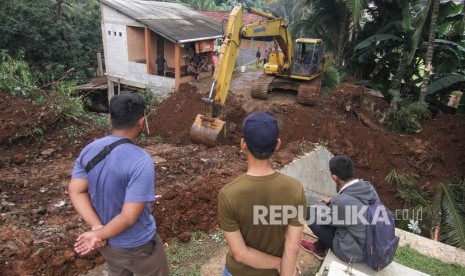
325, 234
226, 272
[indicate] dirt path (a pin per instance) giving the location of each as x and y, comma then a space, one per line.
38, 224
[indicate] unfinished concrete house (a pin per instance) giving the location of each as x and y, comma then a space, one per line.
136, 32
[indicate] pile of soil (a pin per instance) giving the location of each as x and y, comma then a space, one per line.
38, 224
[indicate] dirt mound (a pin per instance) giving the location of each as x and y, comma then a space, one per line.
38, 225
173, 118
20, 117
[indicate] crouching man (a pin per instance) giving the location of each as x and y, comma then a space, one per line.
340, 222
262, 239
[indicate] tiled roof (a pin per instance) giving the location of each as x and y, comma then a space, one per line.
173, 21
220, 16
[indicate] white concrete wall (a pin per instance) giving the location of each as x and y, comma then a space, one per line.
116, 54
438, 250
312, 170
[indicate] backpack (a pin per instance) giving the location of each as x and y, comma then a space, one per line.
381, 242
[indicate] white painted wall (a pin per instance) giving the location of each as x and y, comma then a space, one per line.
116, 54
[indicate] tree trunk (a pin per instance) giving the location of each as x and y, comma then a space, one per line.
397, 80
429, 52
59, 17
342, 34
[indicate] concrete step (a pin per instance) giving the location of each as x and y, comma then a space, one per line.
333, 266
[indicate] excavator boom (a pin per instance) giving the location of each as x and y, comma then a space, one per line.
208, 129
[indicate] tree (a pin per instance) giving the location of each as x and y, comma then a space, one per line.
54, 35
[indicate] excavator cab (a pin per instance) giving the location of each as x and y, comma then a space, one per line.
291, 67
309, 58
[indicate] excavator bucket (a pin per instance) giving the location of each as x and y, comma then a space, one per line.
208, 131
308, 93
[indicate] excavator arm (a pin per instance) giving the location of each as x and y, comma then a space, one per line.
208, 129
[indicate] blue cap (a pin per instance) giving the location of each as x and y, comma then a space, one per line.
260, 133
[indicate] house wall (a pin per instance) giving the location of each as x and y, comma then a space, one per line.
136, 43
253, 44
169, 53
117, 62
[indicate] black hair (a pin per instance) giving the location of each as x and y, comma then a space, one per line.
342, 166
260, 155
126, 110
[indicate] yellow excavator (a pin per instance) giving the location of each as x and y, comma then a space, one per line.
295, 67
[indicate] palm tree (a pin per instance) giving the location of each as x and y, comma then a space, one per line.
350, 24
429, 52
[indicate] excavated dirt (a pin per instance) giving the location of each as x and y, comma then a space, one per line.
37, 149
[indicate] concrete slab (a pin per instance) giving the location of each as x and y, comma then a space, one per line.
312, 170
332, 265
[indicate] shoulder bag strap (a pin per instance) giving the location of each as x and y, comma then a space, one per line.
106, 150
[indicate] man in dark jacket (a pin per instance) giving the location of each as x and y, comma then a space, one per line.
340, 222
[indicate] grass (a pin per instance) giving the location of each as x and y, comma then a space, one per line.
411, 258
188, 258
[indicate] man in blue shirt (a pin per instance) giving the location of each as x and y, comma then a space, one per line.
115, 195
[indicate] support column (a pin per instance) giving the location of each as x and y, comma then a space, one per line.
111, 91
177, 65
100, 65
148, 48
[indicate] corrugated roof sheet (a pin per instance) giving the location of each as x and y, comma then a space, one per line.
170, 20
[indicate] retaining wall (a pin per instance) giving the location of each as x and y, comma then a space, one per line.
312, 170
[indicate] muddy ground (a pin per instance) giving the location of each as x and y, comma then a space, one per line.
38, 148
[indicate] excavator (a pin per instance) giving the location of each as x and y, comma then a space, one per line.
295, 66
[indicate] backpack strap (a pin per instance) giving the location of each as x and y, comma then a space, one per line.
364, 201
103, 153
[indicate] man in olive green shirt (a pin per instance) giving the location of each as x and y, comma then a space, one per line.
261, 212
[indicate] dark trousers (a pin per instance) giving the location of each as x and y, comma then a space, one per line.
325, 234
148, 259
161, 72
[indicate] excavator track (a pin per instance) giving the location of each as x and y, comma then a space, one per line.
261, 87
308, 93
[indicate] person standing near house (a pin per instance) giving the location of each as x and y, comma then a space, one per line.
268, 54
161, 65
192, 71
265, 56
257, 246
203, 66
113, 195
258, 57
214, 62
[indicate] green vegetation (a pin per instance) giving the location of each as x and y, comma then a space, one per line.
442, 208
148, 97
412, 51
453, 218
156, 139
408, 191
411, 258
187, 258
331, 78
53, 37
407, 118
